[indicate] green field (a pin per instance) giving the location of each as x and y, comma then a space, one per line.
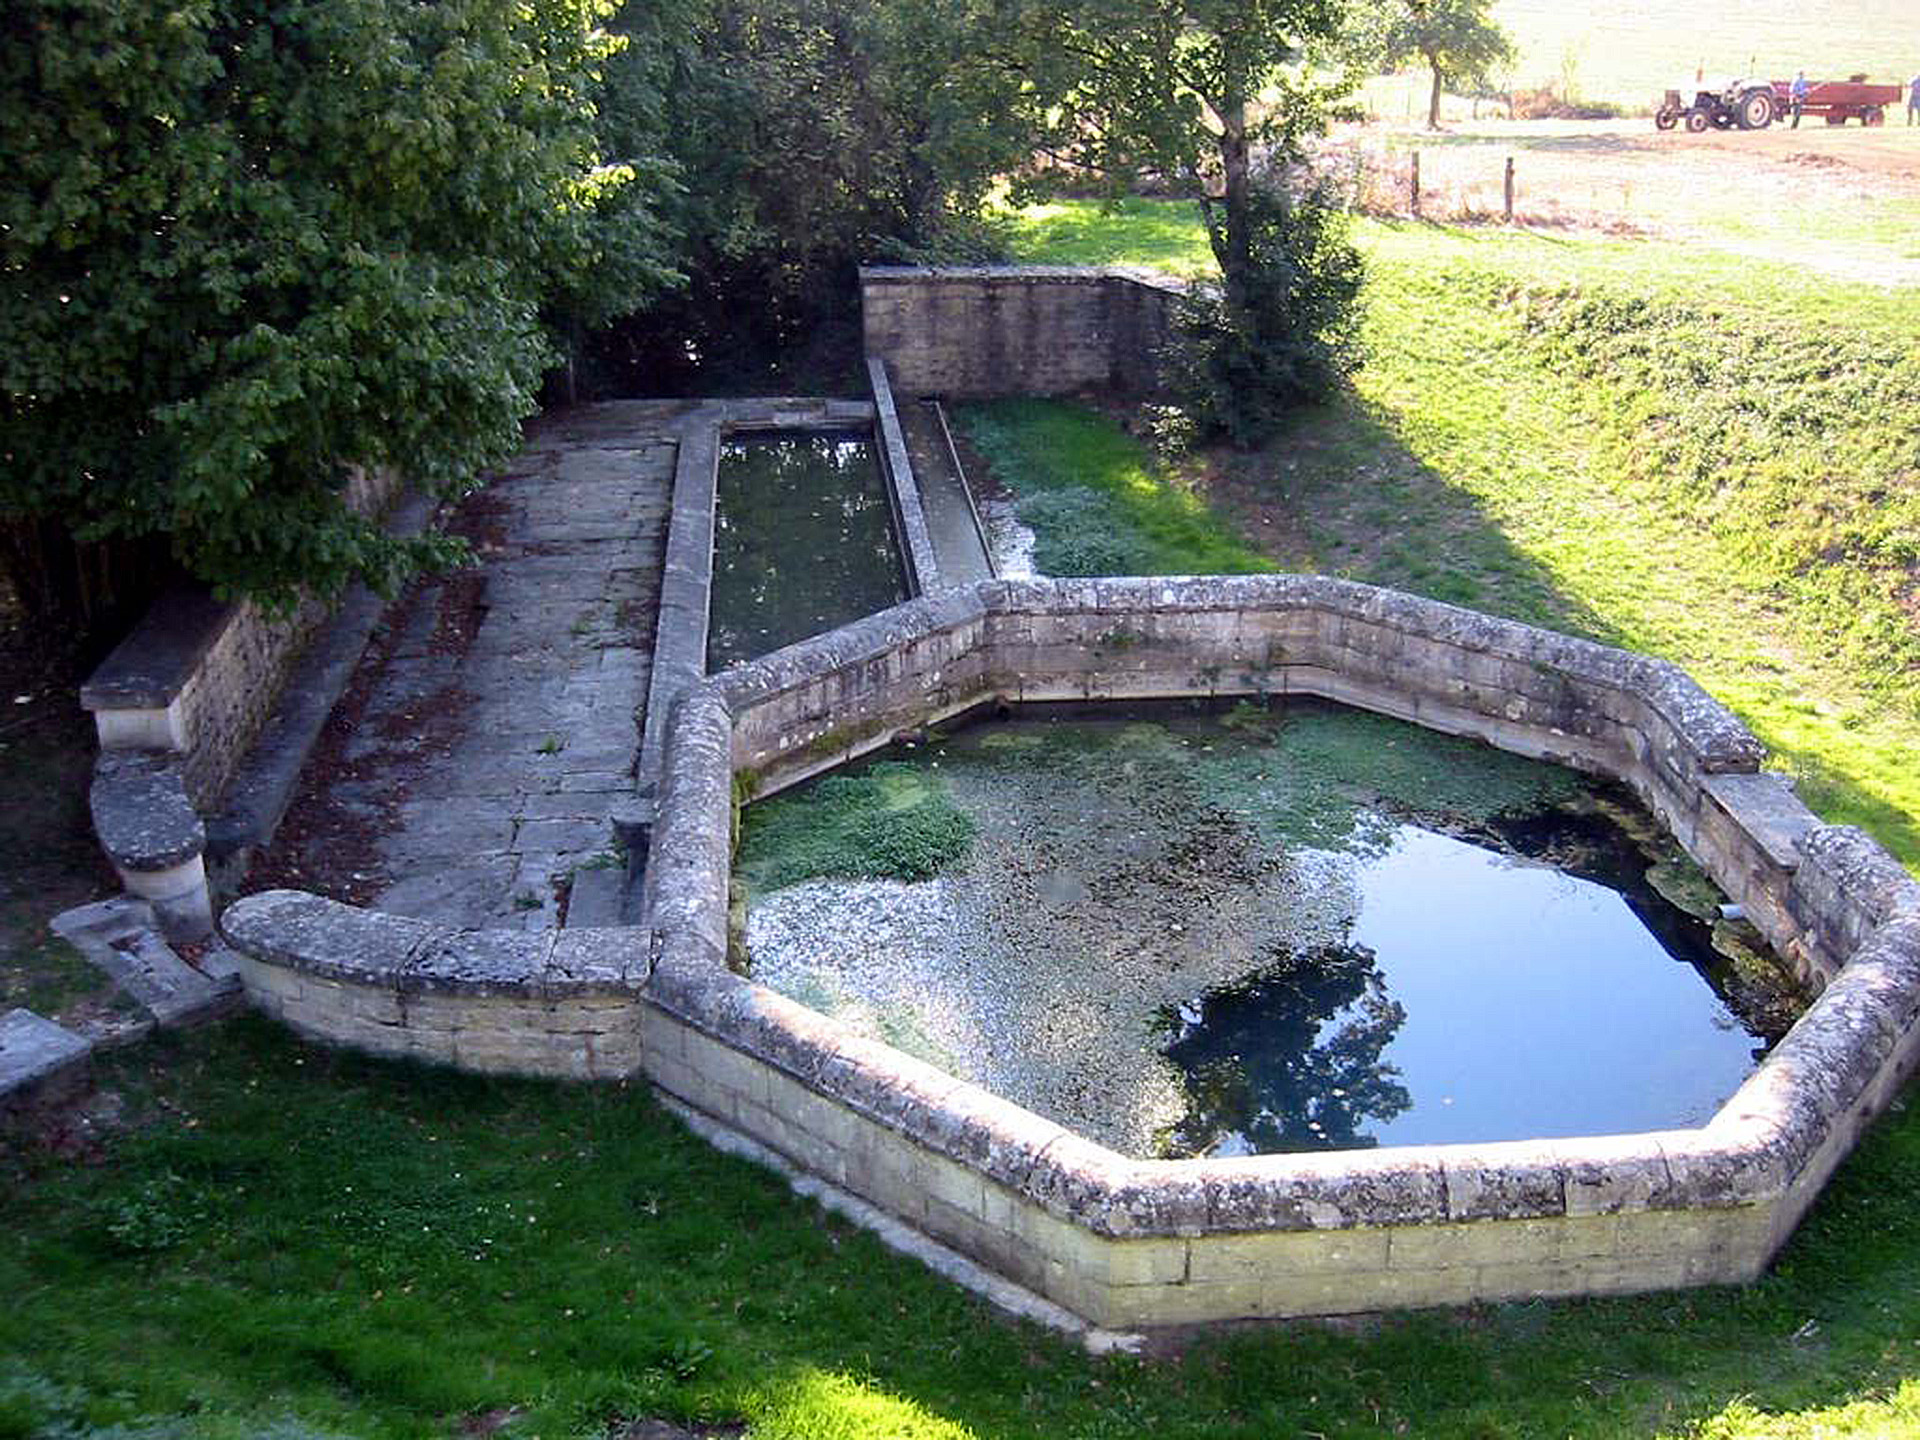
1628, 53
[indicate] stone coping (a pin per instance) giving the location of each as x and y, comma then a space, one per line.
1719, 741
1036, 274
1752, 1152
322, 938
1824, 895
149, 669
910, 516
141, 813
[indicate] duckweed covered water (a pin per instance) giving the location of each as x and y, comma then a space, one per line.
1287, 928
803, 542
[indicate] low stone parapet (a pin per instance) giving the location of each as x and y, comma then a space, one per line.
555, 1002
154, 837
1130, 1243
178, 705
1126, 1243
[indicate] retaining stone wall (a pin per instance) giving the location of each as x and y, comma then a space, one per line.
198, 677
1128, 1243
974, 332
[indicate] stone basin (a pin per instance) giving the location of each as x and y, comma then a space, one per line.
1181, 930
1129, 1244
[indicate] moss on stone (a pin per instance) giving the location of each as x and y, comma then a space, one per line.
1685, 886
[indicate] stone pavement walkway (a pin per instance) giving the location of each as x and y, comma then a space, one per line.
471, 770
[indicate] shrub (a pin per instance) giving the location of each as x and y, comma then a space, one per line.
1244, 357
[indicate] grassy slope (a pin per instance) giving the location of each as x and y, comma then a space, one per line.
385, 1251
1485, 462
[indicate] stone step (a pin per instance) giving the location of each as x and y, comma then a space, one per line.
41, 1063
119, 936
597, 896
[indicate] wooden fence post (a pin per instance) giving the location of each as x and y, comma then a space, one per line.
1509, 189
1415, 186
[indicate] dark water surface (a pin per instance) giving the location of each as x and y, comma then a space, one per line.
1290, 928
803, 542
1480, 996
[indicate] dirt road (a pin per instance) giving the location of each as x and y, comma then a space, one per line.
1844, 201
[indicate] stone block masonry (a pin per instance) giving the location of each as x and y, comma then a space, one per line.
976, 332
176, 706
197, 676
1129, 1244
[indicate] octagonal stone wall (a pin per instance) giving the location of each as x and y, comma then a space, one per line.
1126, 1243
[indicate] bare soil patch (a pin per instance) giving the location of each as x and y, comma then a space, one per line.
1812, 196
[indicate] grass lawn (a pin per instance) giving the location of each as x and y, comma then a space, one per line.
293, 1234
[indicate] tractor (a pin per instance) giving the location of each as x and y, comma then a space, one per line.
1738, 104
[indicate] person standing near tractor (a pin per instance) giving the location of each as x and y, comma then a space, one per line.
1913, 101
1798, 94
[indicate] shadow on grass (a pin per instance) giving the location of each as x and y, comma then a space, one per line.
1359, 503
1842, 801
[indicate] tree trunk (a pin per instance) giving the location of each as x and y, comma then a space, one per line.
1433, 100
1236, 256
66, 591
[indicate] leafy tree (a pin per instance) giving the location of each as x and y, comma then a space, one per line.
1198, 95
1216, 100
248, 244
1459, 42
816, 134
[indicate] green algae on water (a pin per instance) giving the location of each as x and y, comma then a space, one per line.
886, 821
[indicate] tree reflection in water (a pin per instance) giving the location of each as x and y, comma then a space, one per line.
1289, 1059
803, 541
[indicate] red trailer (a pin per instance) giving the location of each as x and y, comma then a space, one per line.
1838, 101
